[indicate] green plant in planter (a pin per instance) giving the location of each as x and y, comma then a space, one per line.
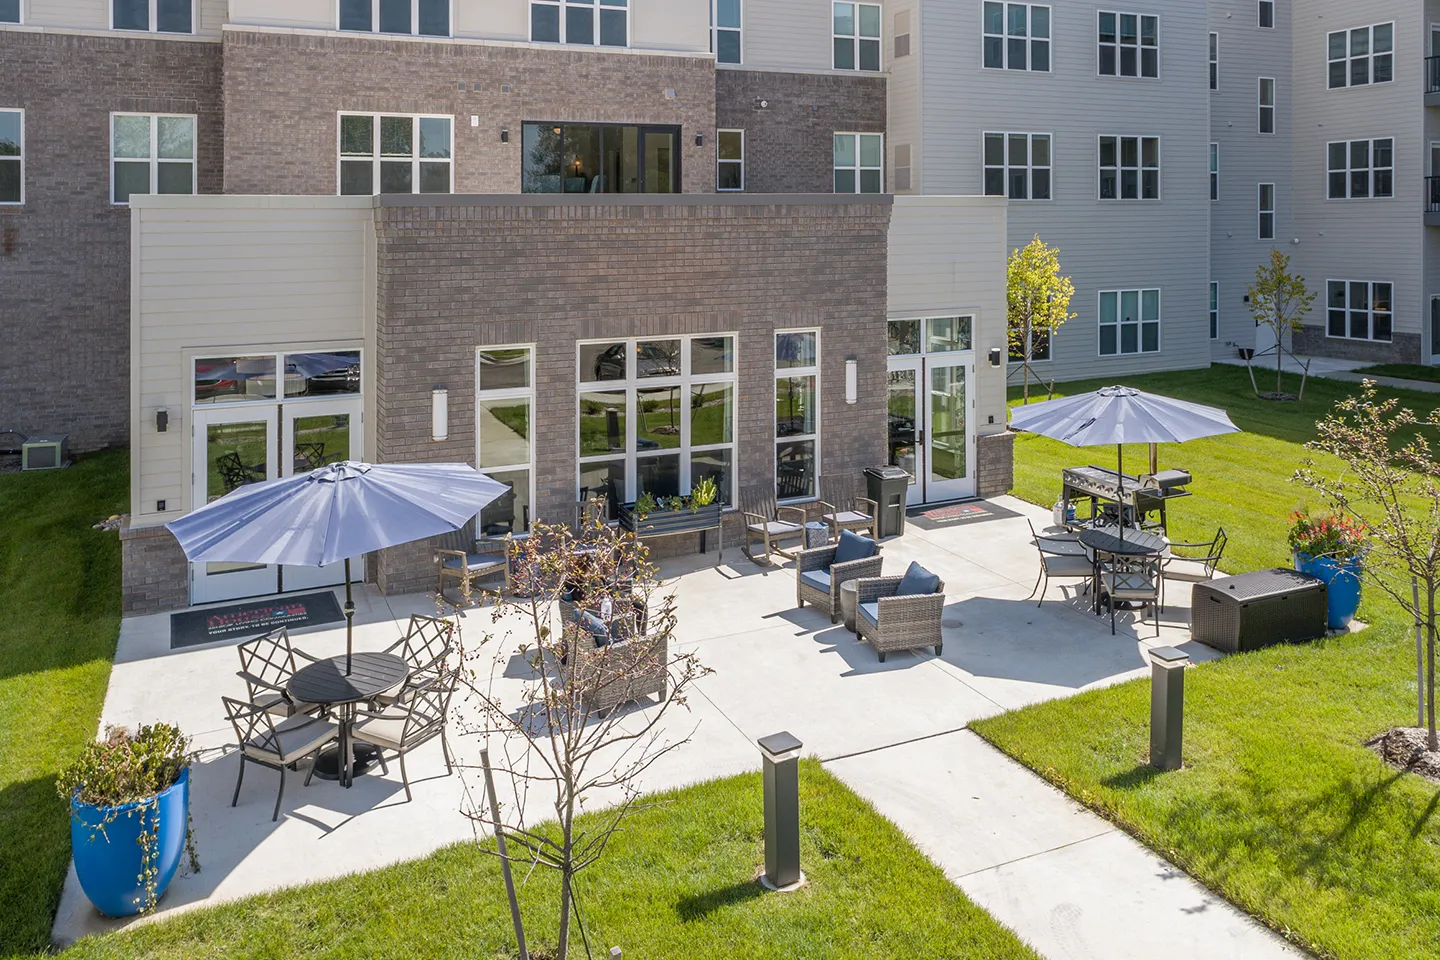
1330, 534
703, 493
646, 503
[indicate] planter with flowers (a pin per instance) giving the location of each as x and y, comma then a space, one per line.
1332, 546
129, 801
651, 516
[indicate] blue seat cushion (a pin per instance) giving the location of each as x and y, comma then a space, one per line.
917, 581
871, 613
819, 579
593, 625
852, 546
475, 562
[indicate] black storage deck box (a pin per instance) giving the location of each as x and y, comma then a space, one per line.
1258, 609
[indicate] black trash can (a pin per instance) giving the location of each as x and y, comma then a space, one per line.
888, 487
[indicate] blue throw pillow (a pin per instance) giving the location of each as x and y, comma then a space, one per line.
594, 626
853, 547
917, 580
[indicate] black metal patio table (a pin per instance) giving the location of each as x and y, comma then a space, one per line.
1112, 541
327, 682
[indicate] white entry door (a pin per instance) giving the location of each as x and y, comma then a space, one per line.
929, 404
316, 433
233, 447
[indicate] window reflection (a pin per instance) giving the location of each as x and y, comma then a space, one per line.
599, 158
233, 379
309, 374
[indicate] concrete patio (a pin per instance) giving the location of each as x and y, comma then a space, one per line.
1066, 881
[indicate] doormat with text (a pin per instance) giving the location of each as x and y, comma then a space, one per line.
955, 514
194, 627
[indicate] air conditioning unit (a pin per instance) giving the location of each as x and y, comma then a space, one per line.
45, 453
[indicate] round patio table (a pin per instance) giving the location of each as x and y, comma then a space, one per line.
1110, 541
327, 682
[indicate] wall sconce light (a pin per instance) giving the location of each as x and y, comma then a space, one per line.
852, 381
699, 139
994, 356
439, 414
162, 420
504, 136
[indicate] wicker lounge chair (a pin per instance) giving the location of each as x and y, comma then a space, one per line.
818, 575
889, 620
277, 746
623, 666
844, 509
769, 522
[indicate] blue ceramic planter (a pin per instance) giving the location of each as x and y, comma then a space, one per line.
1343, 580
108, 863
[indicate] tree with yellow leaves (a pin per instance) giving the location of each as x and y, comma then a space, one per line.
1039, 300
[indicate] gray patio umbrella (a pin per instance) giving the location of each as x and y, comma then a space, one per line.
334, 513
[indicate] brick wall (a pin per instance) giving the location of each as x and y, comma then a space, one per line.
788, 144
65, 254
455, 273
155, 576
283, 93
1311, 341
995, 471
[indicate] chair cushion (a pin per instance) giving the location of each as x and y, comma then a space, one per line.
817, 579
387, 731
776, 527
1068, 566
295, 743
917, 581
845, 517
871, 612
852, 546
477, 562
593, 625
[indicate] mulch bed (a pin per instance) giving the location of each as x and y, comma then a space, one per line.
1405, 748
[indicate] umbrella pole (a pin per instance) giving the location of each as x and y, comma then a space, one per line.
349, 618
1120, 487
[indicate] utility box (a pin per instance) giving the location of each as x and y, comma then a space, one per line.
45, 453
888, 487
1258, 609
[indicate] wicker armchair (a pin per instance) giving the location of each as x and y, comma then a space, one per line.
769, 522
901, 622
844, 509
827, 574
618, 672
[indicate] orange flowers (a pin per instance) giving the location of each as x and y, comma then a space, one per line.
1327, 535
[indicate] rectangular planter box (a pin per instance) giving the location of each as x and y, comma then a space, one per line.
666, 523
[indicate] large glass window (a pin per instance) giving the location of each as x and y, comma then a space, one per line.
1359, 310
587, 22
797, 413
730, 172
1361, 168
725, 30
1265, 100
151, 153
154, 16
1017, 165
1016, 36
12, 156
504, 407
1265, 14
599, 158
1129, 168
859, 163
1129, 322
318, 373
394, 154
1362, 56
425, 18
857, 36
1129, 45
656, 416
9, 11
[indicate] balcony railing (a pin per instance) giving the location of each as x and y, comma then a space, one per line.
1432, 194
1432, 74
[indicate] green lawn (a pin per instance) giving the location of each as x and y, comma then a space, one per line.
1404, 371
59, 618
677, 884
1280, 807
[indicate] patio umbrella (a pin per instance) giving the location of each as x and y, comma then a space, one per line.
336, 512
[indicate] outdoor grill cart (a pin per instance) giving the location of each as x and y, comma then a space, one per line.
1105, 491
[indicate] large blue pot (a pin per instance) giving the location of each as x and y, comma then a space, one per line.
108, 855
1343, 579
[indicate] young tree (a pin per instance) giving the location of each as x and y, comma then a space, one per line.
1279, 302
1391, 473
1039, 300
563, 733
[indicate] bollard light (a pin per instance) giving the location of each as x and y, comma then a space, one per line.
1167, 706
781, 753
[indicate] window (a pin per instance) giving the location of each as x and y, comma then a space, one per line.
388, 154
797, 413
154, 16
9, 11
859, 163
1358, 310
1017, 36
1214, 171
1017, 165
1361, 168
12, 156
1214, 310
1265, 205
1265, 97
1129, 45
1129, 322
599, 158
425, 18
1362, 56
857, 36
731, 154
725, 30
657, 416
151, 153
322, 373
1214, 61
1265, 14
574, 21
504, 440
1129, 168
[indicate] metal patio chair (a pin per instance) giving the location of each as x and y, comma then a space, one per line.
1062, 557
424, 648
276, 746
267, 663
1198, 567
417, 718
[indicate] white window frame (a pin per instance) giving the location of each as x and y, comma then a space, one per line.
858, 168
785, 373
739, 32
376, 157
1120, 169
1214, 62
1029, 166
1214, 309
631, 386
155, 158
1369, 311
1214, 171
1119, 47
507, 393
1029, 39
19, 14
1139, 322
1350, 57
719, 163
152, 20
1261, 211
856, 38
1265, 110
1260, 7
21, 202
562, 5
1349, 171
414, 21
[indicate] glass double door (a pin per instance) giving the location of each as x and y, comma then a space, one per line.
929, 403
244, 445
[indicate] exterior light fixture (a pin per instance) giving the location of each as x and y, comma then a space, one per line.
852, 381
162, 420
699, 139
439, 414
994, 356
504, 136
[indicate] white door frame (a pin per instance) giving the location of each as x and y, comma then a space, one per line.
305, 578
917, 467
924, 487
207, 587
